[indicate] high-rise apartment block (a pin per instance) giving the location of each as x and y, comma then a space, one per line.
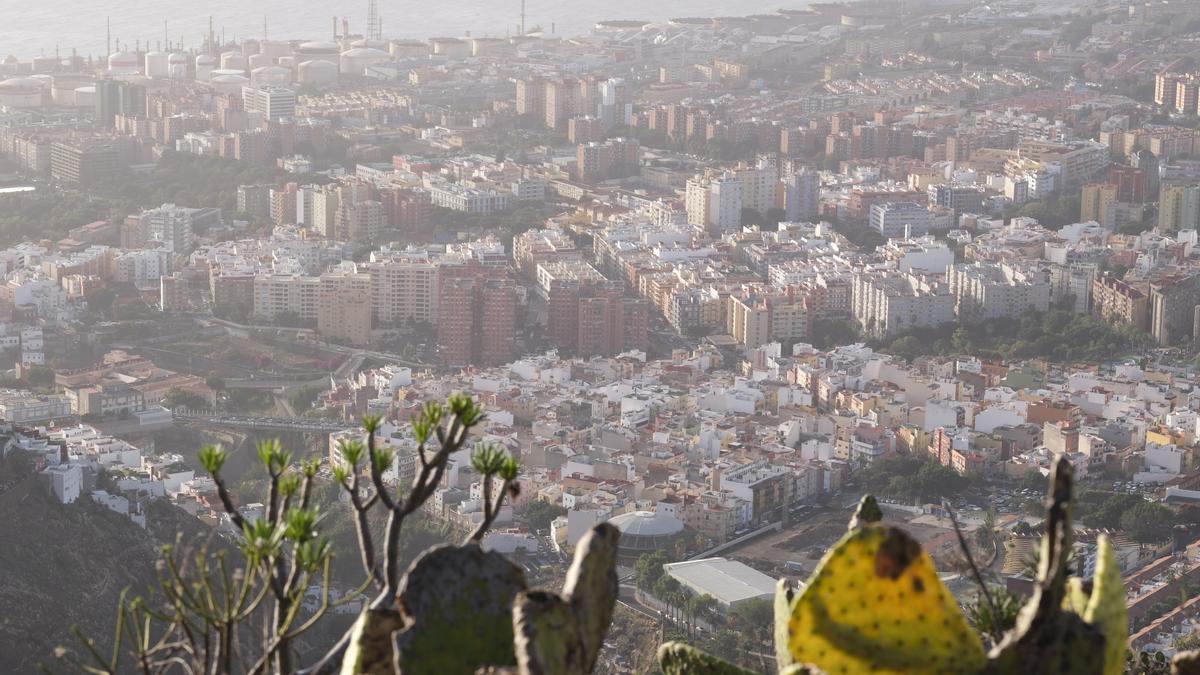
587, 313
272, 102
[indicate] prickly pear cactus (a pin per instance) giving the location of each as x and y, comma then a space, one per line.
370, 649
680, 659
1046, 639
1186, 663
875, 605
457, 605
562, 634
1106, 607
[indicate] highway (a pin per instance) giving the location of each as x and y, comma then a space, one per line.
264, 423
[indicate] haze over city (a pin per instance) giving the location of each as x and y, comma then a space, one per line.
544, 337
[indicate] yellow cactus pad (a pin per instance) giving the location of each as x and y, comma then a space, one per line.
1106, 608
875, 605
1076, 598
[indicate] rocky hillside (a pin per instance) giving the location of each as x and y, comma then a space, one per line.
65, 565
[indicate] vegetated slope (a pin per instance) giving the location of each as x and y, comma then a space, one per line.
66, 565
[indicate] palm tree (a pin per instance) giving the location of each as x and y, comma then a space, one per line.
700, 606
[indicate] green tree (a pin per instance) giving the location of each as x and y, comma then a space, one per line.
1147, 523
1108, 514
540, 514
179, 398
993, 618
101, 299
648, 569
754, 620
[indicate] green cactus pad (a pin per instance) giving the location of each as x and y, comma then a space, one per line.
457, 603
1106, 608
676, 658
370, 649
875, 605
1076, 598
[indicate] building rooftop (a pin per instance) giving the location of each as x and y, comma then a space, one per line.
729, 581
647, 524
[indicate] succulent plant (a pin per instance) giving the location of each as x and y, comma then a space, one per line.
875, 604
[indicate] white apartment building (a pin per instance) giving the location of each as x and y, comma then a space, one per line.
802, 196
323, 214
470, 200
725, 204
715, 203
23, 407
142, 268
405, 285
759, 184
889, 302
901, 220
991, 291
272, 102
276, 294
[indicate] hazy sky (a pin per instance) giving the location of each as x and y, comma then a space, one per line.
31, 27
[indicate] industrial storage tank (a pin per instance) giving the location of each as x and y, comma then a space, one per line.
45, 64
381, 45
64, 85
451, 47
486, 46
259, 61
228, 84
357, 60
249, 48
313, 51
177, 65
125, 62
85, 97
205, 65
403, 49
158, 65
233, 61
274, 49
317, 72
276, 75
21, 92
288, 62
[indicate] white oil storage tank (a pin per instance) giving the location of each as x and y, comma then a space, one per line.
317, 51
405, 49
274, 49
228, 84
318, 73
157, 65
271, 75
177, 66
205, 65
45, 64
451, 47
64, 85
257, 61
85, 97
123, 62
21, 92
233, 61
357, 60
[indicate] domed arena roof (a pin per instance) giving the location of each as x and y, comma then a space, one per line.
647, 524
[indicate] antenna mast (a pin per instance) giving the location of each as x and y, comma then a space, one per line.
374, 23
522, 18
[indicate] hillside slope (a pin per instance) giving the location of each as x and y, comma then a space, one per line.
66, 565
